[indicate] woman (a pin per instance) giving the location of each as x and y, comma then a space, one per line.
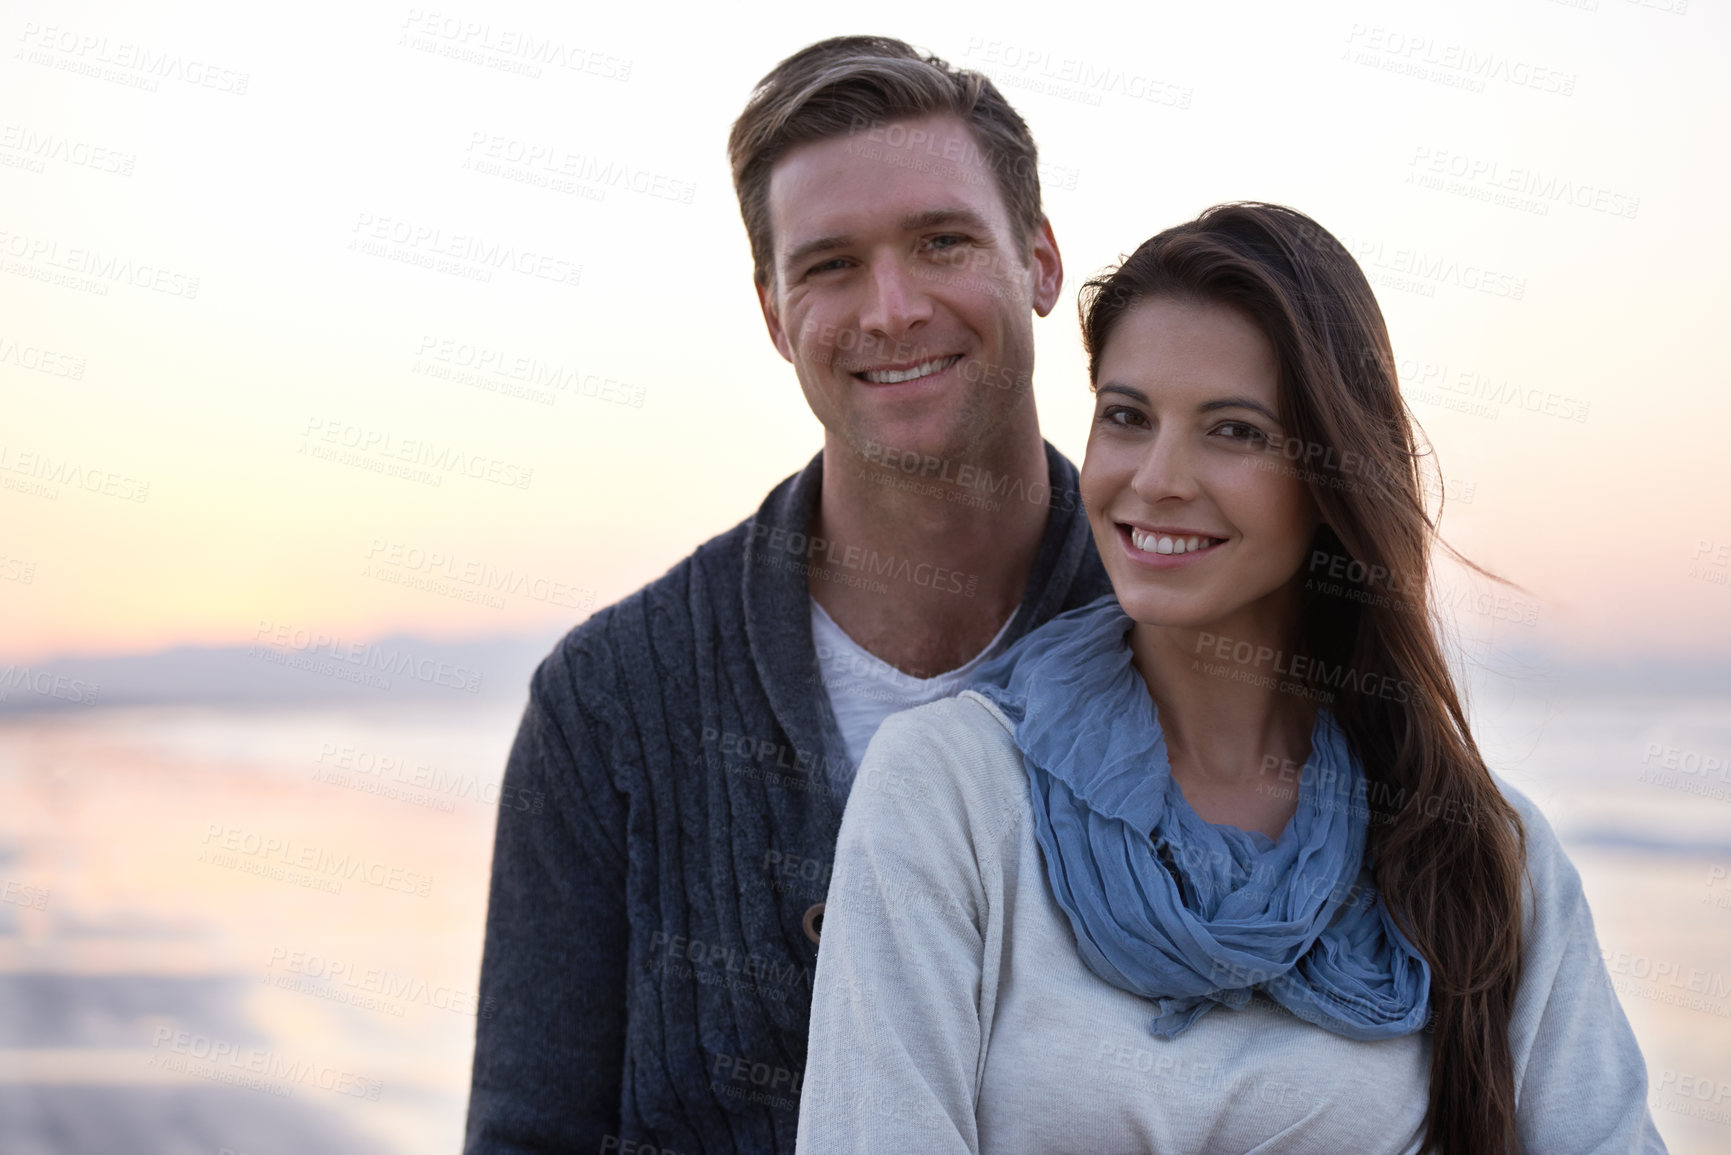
1216, 865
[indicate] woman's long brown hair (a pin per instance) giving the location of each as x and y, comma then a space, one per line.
1446, 849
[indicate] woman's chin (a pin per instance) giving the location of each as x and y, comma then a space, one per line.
1148, 608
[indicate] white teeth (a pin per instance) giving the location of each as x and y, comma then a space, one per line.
1158, 543
897, 376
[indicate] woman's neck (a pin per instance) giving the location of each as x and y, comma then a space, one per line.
1236, 713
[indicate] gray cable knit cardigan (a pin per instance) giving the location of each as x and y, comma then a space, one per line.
647, 976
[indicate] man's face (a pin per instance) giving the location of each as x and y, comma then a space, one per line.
898, 292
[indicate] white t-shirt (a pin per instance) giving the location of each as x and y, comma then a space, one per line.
864, 689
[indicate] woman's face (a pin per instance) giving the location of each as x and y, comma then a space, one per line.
1200, 520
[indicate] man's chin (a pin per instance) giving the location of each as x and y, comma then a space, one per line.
908, 446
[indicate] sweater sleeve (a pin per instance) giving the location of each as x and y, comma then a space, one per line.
906, 958
1581, 1082
550, 1033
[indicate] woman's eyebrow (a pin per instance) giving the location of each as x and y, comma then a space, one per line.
1237, 403
1141, 398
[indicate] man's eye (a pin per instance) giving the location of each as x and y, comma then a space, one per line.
953, 240
826, 266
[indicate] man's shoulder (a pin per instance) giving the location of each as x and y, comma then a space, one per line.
626, 629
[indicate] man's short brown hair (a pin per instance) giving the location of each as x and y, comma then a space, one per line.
851, 83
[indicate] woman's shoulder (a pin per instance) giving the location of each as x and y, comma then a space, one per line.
1551, 886
1544, 850
956, 754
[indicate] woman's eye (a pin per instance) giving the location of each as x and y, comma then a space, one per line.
1121, 415
1242, 433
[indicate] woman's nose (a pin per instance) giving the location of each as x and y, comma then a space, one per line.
1165, 471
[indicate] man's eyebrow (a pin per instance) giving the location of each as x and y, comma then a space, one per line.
936, 218
798, 255
1141, 398
913, 222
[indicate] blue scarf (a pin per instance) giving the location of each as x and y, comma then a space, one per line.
1180, 911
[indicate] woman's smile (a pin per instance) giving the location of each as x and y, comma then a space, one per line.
1166, 548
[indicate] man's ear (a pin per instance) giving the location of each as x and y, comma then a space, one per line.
772, 321
1048, 268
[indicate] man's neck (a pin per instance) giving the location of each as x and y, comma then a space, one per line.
923, 568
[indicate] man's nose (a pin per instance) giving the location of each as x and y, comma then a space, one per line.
896, 301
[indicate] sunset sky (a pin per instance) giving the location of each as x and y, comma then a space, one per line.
229, 255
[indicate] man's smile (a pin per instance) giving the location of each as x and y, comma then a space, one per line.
897, 375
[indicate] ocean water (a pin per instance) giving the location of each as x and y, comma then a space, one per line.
260, 931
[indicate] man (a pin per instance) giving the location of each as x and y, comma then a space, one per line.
651, 934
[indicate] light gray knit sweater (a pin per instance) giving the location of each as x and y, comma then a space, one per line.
952, 1013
